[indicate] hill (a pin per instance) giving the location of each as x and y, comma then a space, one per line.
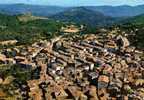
36, 10
119, 11
83, 16
137, 20
26, 32
42, 10
29, 17
134, 27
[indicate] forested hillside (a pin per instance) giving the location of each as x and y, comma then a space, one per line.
26, 32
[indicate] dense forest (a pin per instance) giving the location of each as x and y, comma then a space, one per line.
27, 32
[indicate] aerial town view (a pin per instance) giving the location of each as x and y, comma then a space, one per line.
72, 50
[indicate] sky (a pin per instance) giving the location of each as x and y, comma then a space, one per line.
75, 2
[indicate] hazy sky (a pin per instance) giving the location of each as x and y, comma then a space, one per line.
77, 2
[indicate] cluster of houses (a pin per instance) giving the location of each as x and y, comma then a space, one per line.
87, 69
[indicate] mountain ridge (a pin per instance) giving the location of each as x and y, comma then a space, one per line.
83, 15
48, 10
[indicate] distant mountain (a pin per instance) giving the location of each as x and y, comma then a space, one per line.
119, 11
41, 10
83, 15
38, 10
